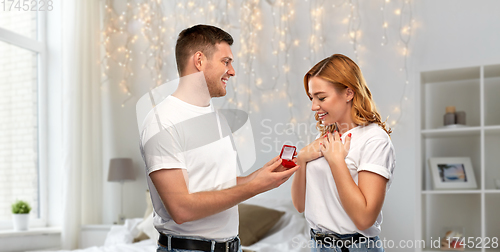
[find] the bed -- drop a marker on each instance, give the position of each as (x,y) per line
(288,233)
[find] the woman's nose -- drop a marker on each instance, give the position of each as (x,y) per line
(314,106)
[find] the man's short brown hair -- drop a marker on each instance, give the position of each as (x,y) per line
(201,38)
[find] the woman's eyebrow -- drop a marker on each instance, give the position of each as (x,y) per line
(316,93)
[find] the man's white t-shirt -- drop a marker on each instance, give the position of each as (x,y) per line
(371,150)
(197,140)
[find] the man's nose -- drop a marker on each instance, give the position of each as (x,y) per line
(231,71)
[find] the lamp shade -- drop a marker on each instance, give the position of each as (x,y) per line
(120,169)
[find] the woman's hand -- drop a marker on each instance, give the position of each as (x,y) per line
(311,151)
(333,149)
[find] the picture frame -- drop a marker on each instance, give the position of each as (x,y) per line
(452,173)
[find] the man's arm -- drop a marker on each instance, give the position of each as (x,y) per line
(184,206)
(244,180)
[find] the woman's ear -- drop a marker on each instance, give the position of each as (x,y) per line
(199,60)
(349,94)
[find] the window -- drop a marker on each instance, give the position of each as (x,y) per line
(21,64)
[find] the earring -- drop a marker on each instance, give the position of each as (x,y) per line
(348,100)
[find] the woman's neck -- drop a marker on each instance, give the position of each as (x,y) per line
(345,125)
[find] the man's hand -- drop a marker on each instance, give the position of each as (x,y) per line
(246,179)
(272,175)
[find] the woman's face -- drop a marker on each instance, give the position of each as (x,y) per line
(330,106)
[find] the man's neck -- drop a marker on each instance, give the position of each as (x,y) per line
(193,90)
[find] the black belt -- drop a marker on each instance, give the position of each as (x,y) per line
(192,244)
(333,240)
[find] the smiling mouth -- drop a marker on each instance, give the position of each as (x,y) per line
(322,115)
(224,81)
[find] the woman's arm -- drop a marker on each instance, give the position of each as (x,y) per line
(305,155)
(299,187)
(362,202)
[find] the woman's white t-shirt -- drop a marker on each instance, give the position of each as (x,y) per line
(371,150)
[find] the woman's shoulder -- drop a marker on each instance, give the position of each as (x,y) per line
(373,138)
(372,132)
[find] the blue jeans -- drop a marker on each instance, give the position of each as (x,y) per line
(162,248)
(371,244)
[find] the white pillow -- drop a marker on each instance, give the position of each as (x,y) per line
(149,205)
(122,234)
(147,227)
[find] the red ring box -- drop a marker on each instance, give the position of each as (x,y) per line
(287,153)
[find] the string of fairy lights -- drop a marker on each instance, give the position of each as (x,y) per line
(385,41)
(317,38)
(405,28)
(156,24)
(354,26)
(250,24)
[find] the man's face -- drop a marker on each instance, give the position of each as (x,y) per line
(218,70)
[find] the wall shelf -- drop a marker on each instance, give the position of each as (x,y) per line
(475,90)
(492,129)
(452,192)
(451,132)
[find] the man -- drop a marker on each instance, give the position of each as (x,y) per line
(189,155)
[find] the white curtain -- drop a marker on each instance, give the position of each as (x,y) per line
(82,146)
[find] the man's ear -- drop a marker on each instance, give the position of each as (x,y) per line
(199,60)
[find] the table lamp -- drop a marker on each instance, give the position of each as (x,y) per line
(121,170)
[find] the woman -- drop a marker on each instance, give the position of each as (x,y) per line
(348,169)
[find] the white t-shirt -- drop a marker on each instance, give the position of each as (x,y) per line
(371,150)
(197,140)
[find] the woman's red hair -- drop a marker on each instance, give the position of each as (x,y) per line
(343,73)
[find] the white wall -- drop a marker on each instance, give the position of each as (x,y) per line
(446,33)
(380,65)
(457,33)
